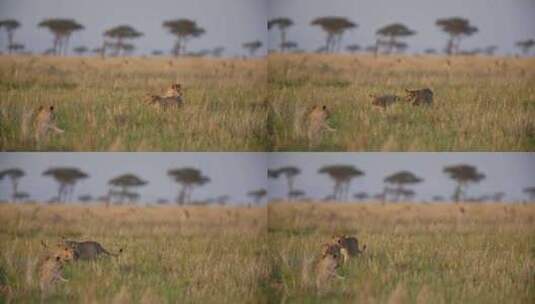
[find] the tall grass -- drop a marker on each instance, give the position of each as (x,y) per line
(100,104)
(415,253)
(481,103)
(171,254)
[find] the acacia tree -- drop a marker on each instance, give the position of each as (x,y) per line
(188,178)
(66,177)
(400,180)
(463,175)
(456,28)
(124,183)
(183,30)
(80,50)
(120,33)
(390,35)
(525,46)
(334,27)
(14,175)
(530,192)
(353,48)
(289,172)
(10,25)
(62,30)
(342,175)
(282,24)
(257,195)
(252,47)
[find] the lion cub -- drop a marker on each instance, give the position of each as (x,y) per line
(384,101)
(45,121)
(349,246)
(317,123)
(51,269)
(327,266)
(419,97)
(88,250)
(172,98)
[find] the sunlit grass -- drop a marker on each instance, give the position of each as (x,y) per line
(480,103)
(100,103)
(416,253)
(171,254)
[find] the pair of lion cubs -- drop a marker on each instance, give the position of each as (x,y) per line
(333,254)
(51,268)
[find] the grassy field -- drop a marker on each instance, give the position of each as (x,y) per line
(416,253)
(204,255)
(100,104)
(480,103)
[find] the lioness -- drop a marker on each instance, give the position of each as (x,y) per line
(349,246)
(88,250)
(317,123)
(384,101)
(51,269)
(172,98)
(419,97)
(326,268)
(45,120)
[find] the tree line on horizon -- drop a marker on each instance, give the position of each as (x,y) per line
(121,189)
(397,185)
(118,39)
(390,38)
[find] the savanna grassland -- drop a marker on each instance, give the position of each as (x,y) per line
(170,254)
(480,103)
(99,103)
(416,253)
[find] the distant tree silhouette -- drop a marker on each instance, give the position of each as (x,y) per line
(252,47)
(290,45)
(289,172)
(430,51)
(188,178)
(128,48)
(490,50)
(218,51)
(157,52)
(20,196)
(14,175)
(125,182)
(282,24)
(257,195)
(162,201)
(222,199)
(183,30)
(295,194)
(62,30)
(353,48)
(463,175)
(400,180)
(16,47)
(80,50)
(456,28)
(342,176)
(438,198)
(334,27)
(361,196)
(10,25)
(530,192)
(67,178)
(390,35)
(119,34)
(86,198)
(525,46)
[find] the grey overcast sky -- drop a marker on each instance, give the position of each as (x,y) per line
(231,174)
(228,23)
(500,22)
(506,172)
(236,173)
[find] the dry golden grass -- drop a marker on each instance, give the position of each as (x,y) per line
(416,253)
(171,254)
(480,103)
(100,103)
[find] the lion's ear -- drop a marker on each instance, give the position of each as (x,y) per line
(51,108)
(43,243)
